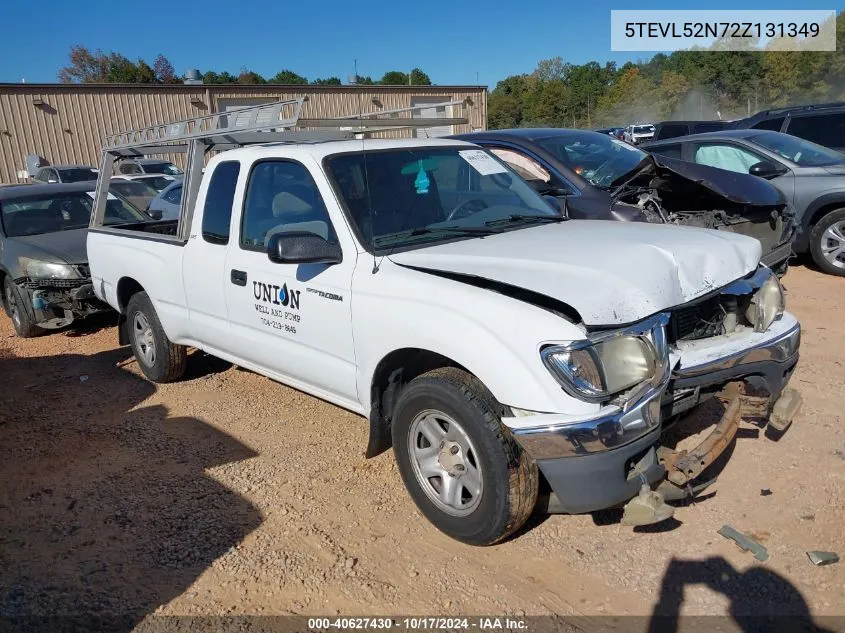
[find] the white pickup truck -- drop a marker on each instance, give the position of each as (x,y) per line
(497,346)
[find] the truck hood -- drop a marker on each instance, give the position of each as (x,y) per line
(612,273)
(61,247)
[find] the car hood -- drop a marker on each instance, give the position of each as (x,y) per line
(738,188)
(612,273)
(62,247)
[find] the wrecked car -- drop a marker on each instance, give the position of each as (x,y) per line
(597,177)
(498,347)
(43,266)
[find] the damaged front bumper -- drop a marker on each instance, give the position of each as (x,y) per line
(56,303)
(590,465)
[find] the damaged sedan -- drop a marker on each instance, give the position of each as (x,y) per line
(593,176)
(43,265)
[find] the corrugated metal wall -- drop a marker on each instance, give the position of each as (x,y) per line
(66,123)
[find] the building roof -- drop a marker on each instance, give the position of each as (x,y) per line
(242,87)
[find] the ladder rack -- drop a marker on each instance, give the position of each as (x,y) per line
(279,121)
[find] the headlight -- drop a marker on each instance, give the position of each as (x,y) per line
(37,269)
(766,305)
(597,370)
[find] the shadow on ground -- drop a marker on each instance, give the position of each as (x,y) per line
(106,510)
(761,600)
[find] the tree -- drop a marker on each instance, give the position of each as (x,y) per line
(394,78)
(145,74)
(121,70)
(288,77)
(365,80)
(164,71)
(250,77)
(419,78)
(328,81)
(84,66)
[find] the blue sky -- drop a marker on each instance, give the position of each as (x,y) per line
(451,41)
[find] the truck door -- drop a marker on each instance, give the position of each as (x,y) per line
(292,320)
(204,260)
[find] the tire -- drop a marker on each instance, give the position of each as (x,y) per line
(19,310)
(495,483)
(827,243)
(159,359)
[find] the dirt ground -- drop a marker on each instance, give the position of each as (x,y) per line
(227,493)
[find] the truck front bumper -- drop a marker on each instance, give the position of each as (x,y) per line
(587,467)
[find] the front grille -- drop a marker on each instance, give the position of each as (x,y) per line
(700,320)
(36,284)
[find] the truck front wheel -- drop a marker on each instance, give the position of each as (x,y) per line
(159,359)
(460,465)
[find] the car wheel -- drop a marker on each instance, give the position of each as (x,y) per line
(19,311)
(827,243)
(461,466)
(159,359)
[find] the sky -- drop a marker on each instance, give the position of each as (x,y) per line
(456,42)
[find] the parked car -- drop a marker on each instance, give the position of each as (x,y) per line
(65,174)
(615,132)
(137,166)
(159,182)
(137,192)
(421,283)
(166,205)
(635,134)
(821,123)
(597,177)
(43,266)
(812,178)
(671,129)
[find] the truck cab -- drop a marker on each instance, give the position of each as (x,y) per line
(497,346)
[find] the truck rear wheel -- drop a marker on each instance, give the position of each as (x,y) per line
(159,359)
(461,466)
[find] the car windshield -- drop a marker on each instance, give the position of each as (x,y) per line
(134,188)
(159,183)
(50,213)
(598,158)
(78,174)
(161,168)
(643,129)
(417,195)
(799,151)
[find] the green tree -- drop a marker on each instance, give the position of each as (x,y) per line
(394,78)
(121,70)
(250,77)
(328,81)
(419,78)
(287,77)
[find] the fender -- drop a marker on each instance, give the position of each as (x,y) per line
(803,234)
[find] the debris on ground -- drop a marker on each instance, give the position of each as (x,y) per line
(819,558)
(646,508)
(765,492)
(745,543)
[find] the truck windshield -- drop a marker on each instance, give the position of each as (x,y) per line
(418,195)
(51,213)
(78,174)
(597,158)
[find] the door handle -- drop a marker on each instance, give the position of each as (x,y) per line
(238,277)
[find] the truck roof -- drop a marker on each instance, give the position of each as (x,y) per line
(321,149)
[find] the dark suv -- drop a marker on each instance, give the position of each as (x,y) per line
(822,123)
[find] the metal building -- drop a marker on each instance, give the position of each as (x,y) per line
(66,123)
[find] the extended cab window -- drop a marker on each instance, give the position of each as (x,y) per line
(281,196)
(769,124)
(217,212)
(824,129)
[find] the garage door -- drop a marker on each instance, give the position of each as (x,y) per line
(433,112)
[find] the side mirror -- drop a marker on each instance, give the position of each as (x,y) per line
(302,247)
(766,169)
(155,214)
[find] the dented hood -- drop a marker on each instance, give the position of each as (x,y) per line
(610,272)
(736,187)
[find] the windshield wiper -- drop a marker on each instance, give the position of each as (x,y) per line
(433,230)
(517,218)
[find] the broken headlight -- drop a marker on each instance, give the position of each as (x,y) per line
(37,269)
(594,371)
(766,305)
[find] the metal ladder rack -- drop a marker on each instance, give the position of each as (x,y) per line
(279,121)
